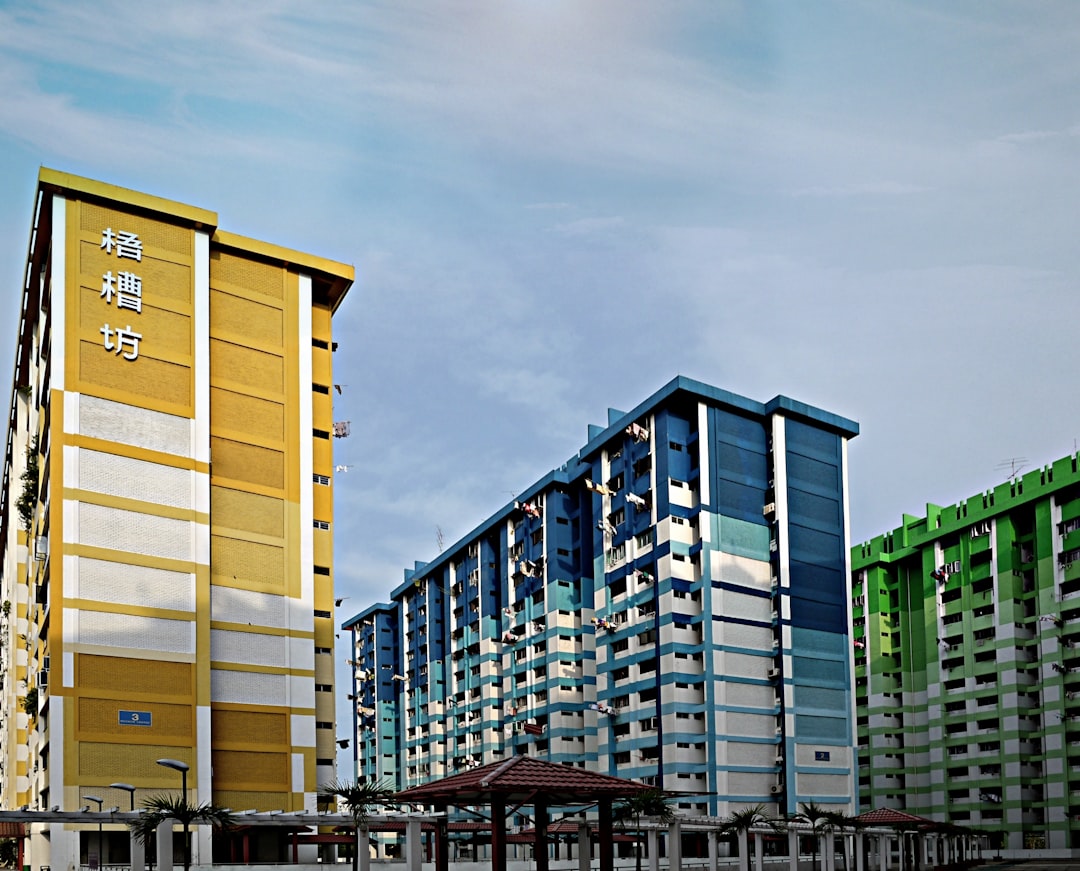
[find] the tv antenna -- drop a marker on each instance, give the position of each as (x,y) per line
(440,539)
(1015,465)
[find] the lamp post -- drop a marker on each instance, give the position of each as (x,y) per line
(99,801)
(126,787)
(182,767)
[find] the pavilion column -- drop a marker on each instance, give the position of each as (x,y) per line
(584,850)
(498,833)
(714,849)
(744,850)
(883,845)
(607,846)
(652,847)
(540,845)
(442,839)
(860,842)
(828,848)
(759,852)
(793,849)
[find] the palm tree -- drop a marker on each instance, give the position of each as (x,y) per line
(648,803)
(359,798)
(813,814)
(739,823)
(165,807)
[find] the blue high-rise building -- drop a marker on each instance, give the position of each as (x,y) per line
(671,605)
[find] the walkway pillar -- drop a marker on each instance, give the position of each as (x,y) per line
(759,852)
(414,845)
(165,845)
(652,840)
(363,848)
(138,853)
(884,843)
(828,849)
(714,850)
(674,847)
(584,850)
(793,849)
(744,850)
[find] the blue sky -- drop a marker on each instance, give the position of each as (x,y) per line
(555,207)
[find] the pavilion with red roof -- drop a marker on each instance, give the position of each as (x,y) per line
(524,780)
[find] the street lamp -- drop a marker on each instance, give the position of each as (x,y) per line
(128,788)
(182,767)
(99,801)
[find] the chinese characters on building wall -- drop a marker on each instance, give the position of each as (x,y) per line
(126,288)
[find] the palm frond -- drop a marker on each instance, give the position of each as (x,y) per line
(359,798)
(159,808)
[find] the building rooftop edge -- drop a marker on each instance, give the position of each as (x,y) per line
(576,466)
(53,179)
(915,532)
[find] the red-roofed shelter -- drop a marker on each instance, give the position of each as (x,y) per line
(519,781)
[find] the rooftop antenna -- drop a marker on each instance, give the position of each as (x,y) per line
(1014,464)
(440,539)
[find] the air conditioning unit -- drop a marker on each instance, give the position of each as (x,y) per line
(779,730)
(777,701)
(769,509)
(775,616)
(45,661)
(779,760)
(43,679)
(774,673)
(776,789)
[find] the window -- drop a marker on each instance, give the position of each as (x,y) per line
(321,479)
(678,521)
(320,388)
(320,524)
(675,446)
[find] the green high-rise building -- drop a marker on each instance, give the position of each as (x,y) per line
(967,657)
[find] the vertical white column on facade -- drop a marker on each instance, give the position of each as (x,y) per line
(704,491)
(200,452)
(780,497)
(307,462)
(58,292)
(63,843)
(852,710)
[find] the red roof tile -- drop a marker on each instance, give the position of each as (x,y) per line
(886,816)
(523,778)
(12,830)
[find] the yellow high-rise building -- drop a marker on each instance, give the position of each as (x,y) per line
(166,518)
